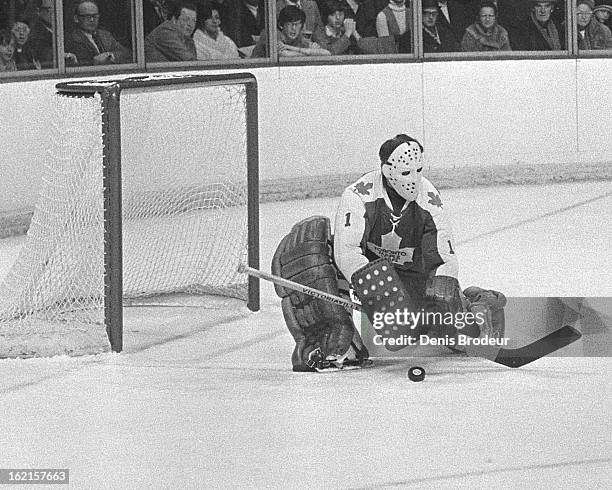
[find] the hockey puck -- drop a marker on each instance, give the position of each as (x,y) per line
(416,373)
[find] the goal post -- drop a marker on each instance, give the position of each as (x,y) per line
(110,97)
(167,193)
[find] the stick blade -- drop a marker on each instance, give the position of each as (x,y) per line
(515,358)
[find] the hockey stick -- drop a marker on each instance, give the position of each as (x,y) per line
(513,358)
(296,286)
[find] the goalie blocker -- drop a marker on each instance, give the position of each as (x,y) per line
(324,334)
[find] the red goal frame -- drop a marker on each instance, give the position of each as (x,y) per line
(110,92)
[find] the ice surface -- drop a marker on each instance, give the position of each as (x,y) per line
(209,400)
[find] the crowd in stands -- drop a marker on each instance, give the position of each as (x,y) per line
(100,32)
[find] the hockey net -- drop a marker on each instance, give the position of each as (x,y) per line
(184,214)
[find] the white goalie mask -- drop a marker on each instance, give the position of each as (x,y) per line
(403,170)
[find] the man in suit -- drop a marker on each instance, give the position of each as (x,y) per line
(91,45)
(173,39)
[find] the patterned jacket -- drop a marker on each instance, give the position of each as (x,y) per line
(597,36)
(476,39)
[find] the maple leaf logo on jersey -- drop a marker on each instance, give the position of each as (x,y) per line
(390,249)
(435,199)
(362,188)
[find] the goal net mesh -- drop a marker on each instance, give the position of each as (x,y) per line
(184,205)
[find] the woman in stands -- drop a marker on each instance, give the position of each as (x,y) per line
(486,34)
(210,42)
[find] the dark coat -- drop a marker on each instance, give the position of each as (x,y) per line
(366,16)
(529,37)
(447,44)
(239,24)
(462,14)
(40,44)
(77,43)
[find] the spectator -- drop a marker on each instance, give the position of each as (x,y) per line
(23,59)
(291,42)
(154,13)
(366,16)
(395,20)
(115,16)
(39,45)
(592,34)
(91,45)
(339,35)
(210,42)
(172,40)
(603,13)
(456,15)
(7,50)
(437,38)
(486,34)
(313,16)
(539,32)
(243,20)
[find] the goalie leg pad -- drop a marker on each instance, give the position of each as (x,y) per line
(304,256)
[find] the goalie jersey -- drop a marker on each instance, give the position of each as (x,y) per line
(417,240)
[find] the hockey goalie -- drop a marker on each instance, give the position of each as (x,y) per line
(393,242)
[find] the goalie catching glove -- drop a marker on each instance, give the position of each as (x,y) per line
(490,305)
(324,333)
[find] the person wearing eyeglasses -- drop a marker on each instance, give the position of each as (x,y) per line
(592,34)
(437,37)
(90,44)
(486,34)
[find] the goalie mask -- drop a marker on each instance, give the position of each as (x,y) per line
(402,167)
